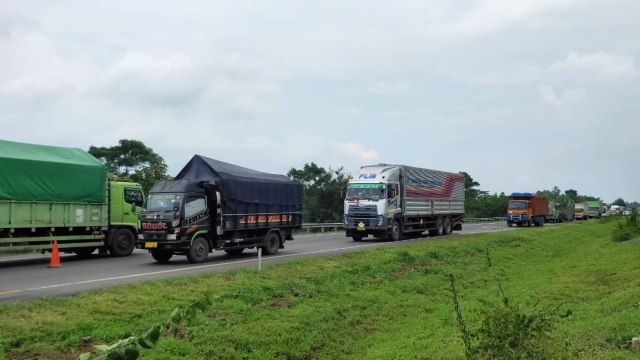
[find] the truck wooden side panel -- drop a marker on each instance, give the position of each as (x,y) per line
(51,215)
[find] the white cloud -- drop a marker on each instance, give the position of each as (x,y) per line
(567,96)
(596,65)
(31,67)
(276,84)
(387,88)
(354,150)
(492,15)
(161,80)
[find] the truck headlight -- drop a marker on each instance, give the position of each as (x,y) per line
(344,220)
(171,236)
(140,236)
(380,220)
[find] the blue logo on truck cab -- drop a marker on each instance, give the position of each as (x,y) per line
(367,176)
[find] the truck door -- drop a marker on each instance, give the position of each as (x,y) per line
(393,200)
(133,201)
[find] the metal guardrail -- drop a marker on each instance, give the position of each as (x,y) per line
(322,226)
(338,226)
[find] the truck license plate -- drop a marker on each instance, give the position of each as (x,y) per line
(149,245)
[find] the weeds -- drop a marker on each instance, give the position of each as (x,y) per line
(506,331)
(128,349)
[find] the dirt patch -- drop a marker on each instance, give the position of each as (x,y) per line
(281,303)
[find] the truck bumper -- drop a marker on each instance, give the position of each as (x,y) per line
(366,231)
(518,219)
(163,245)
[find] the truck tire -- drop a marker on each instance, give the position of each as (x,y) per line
(447,225)
(395,233)
(234,252)
(271,244)
(162,256)
(122,243)
(439,227)
(357,237)
(198,251)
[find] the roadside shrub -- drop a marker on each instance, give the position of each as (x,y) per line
(509,332)
(627,230)
(621,233)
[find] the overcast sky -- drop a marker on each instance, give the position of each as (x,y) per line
(523,95)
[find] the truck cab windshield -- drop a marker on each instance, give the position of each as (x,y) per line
(370,192)
(518,205)
(163,202)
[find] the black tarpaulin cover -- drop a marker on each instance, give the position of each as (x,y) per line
(240,184)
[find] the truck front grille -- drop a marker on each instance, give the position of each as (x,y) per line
(155,235)
(368,215)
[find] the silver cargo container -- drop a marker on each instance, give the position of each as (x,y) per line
(388,201)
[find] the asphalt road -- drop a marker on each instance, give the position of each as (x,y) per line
(29,277)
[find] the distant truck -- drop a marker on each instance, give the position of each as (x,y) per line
(389,201)
(213,205)
(527,209)
(561,211)
(616,210)
(594,209)
(582,211)
(52,193)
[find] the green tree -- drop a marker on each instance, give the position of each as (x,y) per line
(572,194)
(323,192)
(479,203)
(134,160)
(554,195)
(620,202)
(469,185)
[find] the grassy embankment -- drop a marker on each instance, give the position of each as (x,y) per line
(393,303)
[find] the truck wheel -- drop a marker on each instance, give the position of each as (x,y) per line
(122,243)
(395,233)
(272,244)
(198,251)
(234,252)
(439,227)
(84,252)
(447,225)
(162,256)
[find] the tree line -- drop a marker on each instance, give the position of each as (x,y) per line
(324,189)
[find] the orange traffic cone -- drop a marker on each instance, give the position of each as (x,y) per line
(55,256)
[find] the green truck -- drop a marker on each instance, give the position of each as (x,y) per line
(594,208)
(52,193)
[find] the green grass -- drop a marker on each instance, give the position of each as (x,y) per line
(392,303)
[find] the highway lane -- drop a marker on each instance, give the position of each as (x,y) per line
(28,277)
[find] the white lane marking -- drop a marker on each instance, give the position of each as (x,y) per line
(198,267)
(213,265)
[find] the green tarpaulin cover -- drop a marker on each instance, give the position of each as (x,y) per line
(31,172)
